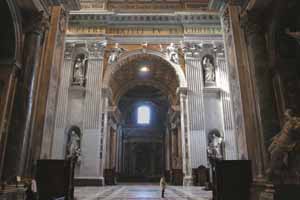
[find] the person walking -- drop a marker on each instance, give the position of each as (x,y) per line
(163,185)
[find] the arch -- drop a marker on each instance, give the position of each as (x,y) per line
(111,69)
(133,84)
(16,24)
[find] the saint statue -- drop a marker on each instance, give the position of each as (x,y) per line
(79,71)
(215,145)
(209,70)
(73,146)
(115,53)
(172,52)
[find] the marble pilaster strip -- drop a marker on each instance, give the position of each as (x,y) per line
(196,111)
(62,103)
(229,132)
(93,94)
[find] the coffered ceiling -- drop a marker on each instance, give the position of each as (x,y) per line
(145,70)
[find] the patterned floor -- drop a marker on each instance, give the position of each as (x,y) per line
(141,192)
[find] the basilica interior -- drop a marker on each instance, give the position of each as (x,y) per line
(108,96)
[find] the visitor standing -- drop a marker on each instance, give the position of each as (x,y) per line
(163,186)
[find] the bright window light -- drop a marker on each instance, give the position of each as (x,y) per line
(143,115)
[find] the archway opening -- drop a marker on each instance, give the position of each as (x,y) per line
(7,33)
(143,90)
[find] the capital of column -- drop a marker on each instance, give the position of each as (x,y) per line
(252,22)
(182,91)
(37,23)
(107,93)
(234,2)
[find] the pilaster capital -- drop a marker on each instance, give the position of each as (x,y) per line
(226,20)
(69,49)
(96,48)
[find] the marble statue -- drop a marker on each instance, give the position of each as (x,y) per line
(172,52)
(79,71)
(73,146)
(209,70)
(115,53)
(215,145)
(284,152)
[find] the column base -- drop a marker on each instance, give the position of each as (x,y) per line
(89,181)
(187,181)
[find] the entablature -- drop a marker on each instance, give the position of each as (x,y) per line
(179,23)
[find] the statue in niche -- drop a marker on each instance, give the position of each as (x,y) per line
(79,70)
(172,52)
(208,70)
(115,54)
(215,145)
(284,152)
(73,145)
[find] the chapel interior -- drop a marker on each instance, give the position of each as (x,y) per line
(104,93)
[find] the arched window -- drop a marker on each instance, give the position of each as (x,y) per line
(143,115)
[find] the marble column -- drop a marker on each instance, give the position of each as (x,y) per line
(185,135)
(32,47)
(105,97)
(262,81)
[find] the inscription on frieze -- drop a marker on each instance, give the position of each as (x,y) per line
(139,30)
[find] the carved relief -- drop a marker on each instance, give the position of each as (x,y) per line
(115,53)
(172,53)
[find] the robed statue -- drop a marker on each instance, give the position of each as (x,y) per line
(79,71)
(73,146)
(215,145)
(209,73)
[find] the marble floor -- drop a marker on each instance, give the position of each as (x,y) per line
(141,192)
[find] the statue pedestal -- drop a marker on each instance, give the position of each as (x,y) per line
(187,181)
(269,193)
(280,192)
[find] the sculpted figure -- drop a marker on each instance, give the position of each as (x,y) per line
(73,146)
(215,142)
(115,53)
(283,151)
(209,70)
(172,51)
(79,71)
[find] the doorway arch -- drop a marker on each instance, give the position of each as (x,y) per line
(162,75)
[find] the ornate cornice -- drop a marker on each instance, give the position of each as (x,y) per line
(128,24)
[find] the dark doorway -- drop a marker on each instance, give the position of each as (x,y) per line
(144,114)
